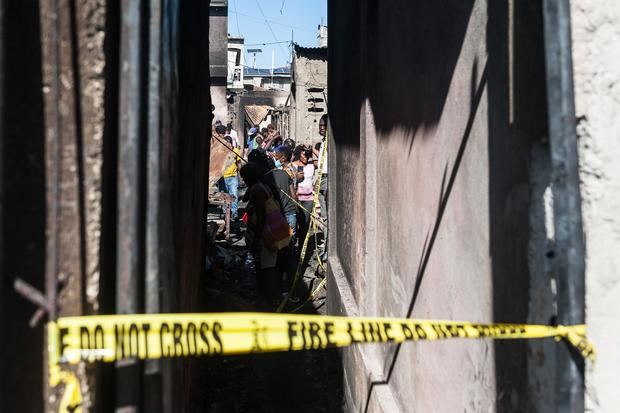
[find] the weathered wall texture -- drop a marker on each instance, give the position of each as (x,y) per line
(596,57)
(80,114)
(91,22)
(309,71)
(218,97)
(271,98)
(64,171)
(432,191)
(218,57)
(70,93)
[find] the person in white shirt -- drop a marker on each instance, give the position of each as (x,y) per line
(233,135)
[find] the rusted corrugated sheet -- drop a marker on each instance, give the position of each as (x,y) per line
(83,102)
(129,239)
(217,158)
(63,142)
(256,113)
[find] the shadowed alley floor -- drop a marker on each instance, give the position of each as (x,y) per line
(280,382)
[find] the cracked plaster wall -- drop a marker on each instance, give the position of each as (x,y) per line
(596,62)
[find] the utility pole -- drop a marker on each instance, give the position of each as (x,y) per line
(254,51)
(273,57)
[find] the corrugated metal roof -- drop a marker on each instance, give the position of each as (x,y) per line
(217,158)
(256,113)
(315,53)
(278,71)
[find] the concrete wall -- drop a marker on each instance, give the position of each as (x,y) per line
(436,161)
(283,83)
(596,57)
(307,73)
(235,62)
(218,99)
(218,57)
(271,98)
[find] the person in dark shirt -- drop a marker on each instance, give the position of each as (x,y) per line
(282,187)
(267,275)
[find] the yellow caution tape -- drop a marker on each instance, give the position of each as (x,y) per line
(153,336)
(313,216)
(304,247)
(311,296)
(71,400)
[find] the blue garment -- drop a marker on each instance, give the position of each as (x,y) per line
(290,257)
(232,187)
(292,222)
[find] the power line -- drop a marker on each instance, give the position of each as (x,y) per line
(272,22)
(268,24)
(266,21)
(282,6)
(267,43)
(245,55)
(250,67)
(237,19)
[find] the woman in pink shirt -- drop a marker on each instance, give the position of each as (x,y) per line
(305,190)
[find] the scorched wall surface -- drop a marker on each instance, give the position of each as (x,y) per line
(433,129)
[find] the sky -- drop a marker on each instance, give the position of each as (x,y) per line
(301,17)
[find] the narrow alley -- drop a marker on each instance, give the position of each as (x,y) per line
(265,206)
(304,381)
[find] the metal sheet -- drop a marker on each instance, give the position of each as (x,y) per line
(569,261)
(128,236)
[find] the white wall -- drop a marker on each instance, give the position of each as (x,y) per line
(218,99)
(596,59)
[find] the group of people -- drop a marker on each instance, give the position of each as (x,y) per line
(281,178)
(266,139)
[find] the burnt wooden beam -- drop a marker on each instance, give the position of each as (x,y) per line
(129,189)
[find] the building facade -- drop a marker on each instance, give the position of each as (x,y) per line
(446,202)
(322,36)
(308,101)
(267,99)
(236,63)
(218,57)
(277,79)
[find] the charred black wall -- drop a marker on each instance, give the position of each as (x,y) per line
(23,206)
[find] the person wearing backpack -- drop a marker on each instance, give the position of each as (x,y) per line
(267,233)
(283,189)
